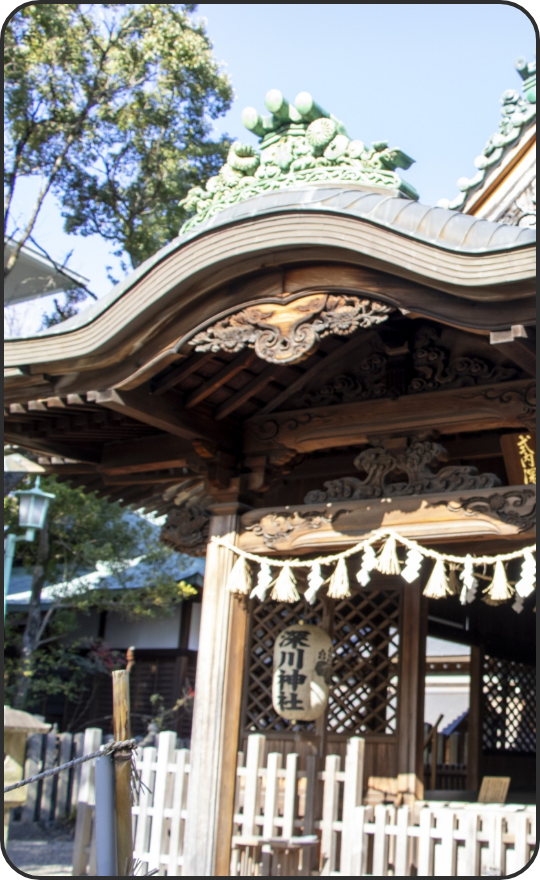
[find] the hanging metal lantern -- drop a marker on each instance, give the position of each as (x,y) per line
(33,506)
(302,672)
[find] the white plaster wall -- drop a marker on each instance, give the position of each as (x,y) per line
(160,632)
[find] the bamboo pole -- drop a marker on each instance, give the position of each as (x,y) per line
(122,772)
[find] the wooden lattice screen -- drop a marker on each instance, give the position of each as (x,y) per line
(364,690)
(509,716)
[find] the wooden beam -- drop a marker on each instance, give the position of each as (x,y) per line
(181,371)
(479,408)
(221,378)
(413,632)
(323,362)
(151,478)
(518,345)
(249,390)
(76,450)
(156,411)
(146,454)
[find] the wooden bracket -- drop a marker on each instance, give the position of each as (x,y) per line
(517,345)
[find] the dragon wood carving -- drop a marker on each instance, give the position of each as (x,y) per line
(275,526)
(379,464)
(285,334)
(186,529)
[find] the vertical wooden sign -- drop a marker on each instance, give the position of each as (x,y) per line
(519,451)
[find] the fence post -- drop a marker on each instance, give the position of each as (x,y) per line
(85,803)
(105,818)
(32,767)
(176,844)
(122,771)
(165,756)
(352,796)
(402,865)
(330,808)
(61,807)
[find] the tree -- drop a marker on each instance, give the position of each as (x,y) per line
(111,106)
(86,540)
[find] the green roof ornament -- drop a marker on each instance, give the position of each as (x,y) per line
(517,112)
(299,144)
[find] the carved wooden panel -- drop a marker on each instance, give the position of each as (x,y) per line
(510,404)
(364,689)
(413,463)
(510,510)
(285,334)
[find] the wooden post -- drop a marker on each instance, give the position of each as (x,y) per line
(122,772)
(216,712)
(411,692)
(475,721)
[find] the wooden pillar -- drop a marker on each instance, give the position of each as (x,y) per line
(411,692)
(216,712)
(475,721)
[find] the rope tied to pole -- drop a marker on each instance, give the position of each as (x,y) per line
(107,749)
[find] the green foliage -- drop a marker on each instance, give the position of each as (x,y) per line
(85,533)
(111,105)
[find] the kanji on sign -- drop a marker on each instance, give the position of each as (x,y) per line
(302,672)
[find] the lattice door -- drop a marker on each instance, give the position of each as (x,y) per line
(509,697)
(364,692)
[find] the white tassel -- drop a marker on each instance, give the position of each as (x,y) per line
(437,585)
(285,586)
(315,581)
(264,582)
(413,562)
(369,562)
(470,583)
(499,589)
(339,583)
(525,585)
(387,562)
(239,581)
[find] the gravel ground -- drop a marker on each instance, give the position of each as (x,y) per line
(41,850)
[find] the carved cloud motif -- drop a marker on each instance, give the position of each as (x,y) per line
(285,334)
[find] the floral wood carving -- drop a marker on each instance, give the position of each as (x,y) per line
(527,396)
(275,526)
(186,530)
(435,368)
(285,334)
(380,464)
(517,507)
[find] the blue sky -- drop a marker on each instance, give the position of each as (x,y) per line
(427,77)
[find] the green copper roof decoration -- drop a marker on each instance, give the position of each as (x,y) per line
(299,144)
(517,113)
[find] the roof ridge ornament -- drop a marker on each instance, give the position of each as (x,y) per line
(299,144)
(517,112)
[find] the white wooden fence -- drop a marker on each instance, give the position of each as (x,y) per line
(276,801)
(447,840)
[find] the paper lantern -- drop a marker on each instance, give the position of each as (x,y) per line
(302,672)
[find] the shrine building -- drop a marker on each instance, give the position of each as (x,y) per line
(320,362)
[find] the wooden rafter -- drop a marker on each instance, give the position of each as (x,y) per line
(322,364)
(220,378)
(252,388)
(180,372)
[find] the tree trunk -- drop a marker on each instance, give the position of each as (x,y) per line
(32,630)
